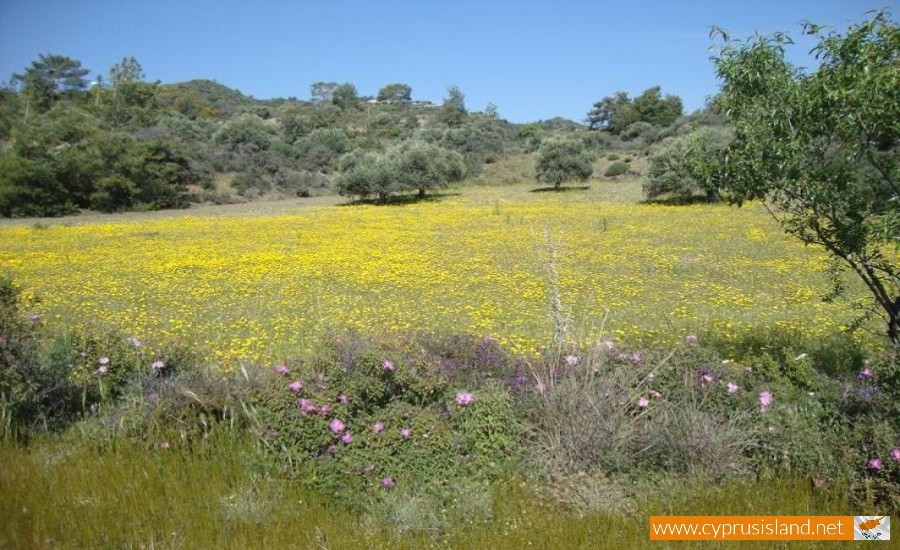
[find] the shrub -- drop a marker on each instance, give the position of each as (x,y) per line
(563,158)
(616,169)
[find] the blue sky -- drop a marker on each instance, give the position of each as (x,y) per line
(534,60)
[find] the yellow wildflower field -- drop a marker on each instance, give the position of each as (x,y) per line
(260,285)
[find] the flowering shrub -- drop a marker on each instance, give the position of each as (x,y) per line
(363,414)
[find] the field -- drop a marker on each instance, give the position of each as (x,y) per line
(260,282)
(214,451)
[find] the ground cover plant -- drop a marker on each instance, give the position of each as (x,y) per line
(256,286)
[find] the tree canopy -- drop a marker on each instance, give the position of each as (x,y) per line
(821,147)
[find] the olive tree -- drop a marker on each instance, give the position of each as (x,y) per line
(423,166)
(563,158)
(683,166)
(820,148)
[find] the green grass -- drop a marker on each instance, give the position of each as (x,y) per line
(66,494)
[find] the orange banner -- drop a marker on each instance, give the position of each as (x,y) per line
(751,527)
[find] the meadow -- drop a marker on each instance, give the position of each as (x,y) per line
(256,285)
(311,374)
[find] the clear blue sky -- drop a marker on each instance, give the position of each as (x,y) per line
(533,59)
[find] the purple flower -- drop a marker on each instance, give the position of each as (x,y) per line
(765,400)
(378,427)
(343,399)
(336,426)
(406,432)
(866,373)
(895,454)
(306,406)
(571,360)
(347,438)
(296,386)
(388,366)
(158,364)
(643,403)
(325,409)
(732,388)
(387,483)
(464,398)
(874,464)
(281,369)
(691,339)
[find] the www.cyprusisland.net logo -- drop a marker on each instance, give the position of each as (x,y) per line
(871,527)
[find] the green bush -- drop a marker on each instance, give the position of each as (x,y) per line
(616,169)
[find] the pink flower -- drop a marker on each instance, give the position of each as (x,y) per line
(103,361)
(325,409)
(306,406)
(281,369)
(388,366)
(101,370)
(464,398)
(655,394)
(866,374)
(343,399)
(874,464)
(378,427)
(732,388)
(571,360)
(706,378)
(637,357)
(296,386)
(159,364)
(765,400)
(387,483)
(643,403)
(691,339)
(406,432)
(347,438)
(336,426)
(895,454)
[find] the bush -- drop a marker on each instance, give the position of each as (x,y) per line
(616,169)
(684,166)
(359,414)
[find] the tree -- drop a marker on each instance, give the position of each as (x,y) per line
(686,165)
(345,95)
(563,158)
(453,110)
(601,116)
(367,173)
(821,148)
(50,77)
(653,109)
(618,111)
(395,93)
(422,166)
(322,91)
(127,70)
